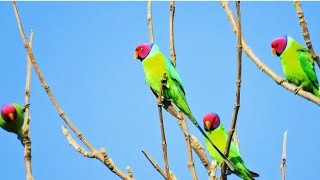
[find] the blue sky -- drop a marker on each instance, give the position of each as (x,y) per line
(85,51)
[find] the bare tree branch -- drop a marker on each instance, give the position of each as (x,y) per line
(305,32)
(263,67)
(149,18)
(154,164)
(101,154)
(75,145)
(238,88)
(26,130)
(213,175)
(284,156)
(163,135)
(200,151)
(181,121)
(184,127)
(157,167)
(171,32)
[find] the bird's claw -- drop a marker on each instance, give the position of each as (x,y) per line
(159,101)
(297,89)
(26,106)
(282,81)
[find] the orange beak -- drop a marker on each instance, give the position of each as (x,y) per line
(135,55)
(11,116)
(273,50)
(208,124)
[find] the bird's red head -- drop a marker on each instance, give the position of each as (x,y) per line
(211,121)
(278,45)
(142,51)
(8,112)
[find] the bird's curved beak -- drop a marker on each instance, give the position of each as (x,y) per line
(208,124)
(11,116)
(135,55)
(273,50)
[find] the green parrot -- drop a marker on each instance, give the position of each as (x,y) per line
(155,64)
(297,64)
(215,130)
(12,119)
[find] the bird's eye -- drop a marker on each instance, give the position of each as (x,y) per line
(140,49)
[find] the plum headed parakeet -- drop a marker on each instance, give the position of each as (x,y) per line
(12,119)
(215,130)
(297,64)
(155,64)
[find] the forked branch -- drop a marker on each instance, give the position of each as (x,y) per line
(101,154)
(157,167)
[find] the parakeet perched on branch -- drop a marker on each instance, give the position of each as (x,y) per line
(297,64)
(12,119)
(155,64)
(215,130)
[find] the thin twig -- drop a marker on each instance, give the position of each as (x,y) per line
(305,32)
(101,154)
(263,67)
(238,91)
(181,121)
(171,32)
(26,130)
(284,156)
(184,127)
(154,164)
(149,18)
(163,135)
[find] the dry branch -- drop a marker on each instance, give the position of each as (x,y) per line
(284,156)
(101,154)
(200,151)
(171,32)
(163,135)
(238,91)
(263,67)
(26,130)
(184,127)
(213,175)
(74,144)
(157,167)
(305,32)
(149,18)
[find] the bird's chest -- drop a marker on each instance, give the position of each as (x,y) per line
(154,71)
(293,70)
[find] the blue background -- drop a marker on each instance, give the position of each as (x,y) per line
(85,51)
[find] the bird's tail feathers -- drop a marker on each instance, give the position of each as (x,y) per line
(253,174)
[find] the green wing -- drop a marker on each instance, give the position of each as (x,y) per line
(174,75)
(307,64)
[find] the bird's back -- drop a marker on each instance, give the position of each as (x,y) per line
(219,137)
